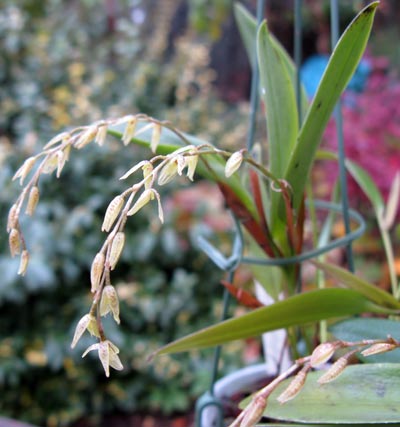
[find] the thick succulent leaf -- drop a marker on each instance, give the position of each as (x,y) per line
(350,280)
(338,73)
(214,169)
(363,394)
(369,328)
(297,310)
(367,184)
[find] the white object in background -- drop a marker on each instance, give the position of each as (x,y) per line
(276,351)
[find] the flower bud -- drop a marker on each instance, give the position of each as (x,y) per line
(155,137)
(254,412)
(109,302)
(24,170)
(12,220)
(117,247)
(14,240)
(96,271)
(23,265)
(233,163)
(379,348)
(112,212)
(295,386)
(334,371)
(322,353)
(33,200)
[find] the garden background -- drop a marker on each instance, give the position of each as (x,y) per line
(69,63)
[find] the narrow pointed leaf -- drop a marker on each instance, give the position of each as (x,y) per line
(363,394)
(247,25)
(367,184)
(350,280)
(297,310)
(338,73)
(278,95)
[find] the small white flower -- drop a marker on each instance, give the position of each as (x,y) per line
(147,175)
(135,168)
(108,355)
(88,322)
(168,172)
(50,164)
(109,302)
(233,163)
(23,265)
(155,137)
(143,199)
(129,131)
(101,135)
(191,161)
(86,137)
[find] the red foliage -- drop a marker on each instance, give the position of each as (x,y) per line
(371,131)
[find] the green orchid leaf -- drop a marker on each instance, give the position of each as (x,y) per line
(350,280)
(338,73)
(213,168)
(296,310)
(362,394)
(278,95)
(247,25)
(369,328)
(279,98)
(367,184)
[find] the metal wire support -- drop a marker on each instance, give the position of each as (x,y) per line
(209,411)
(298,46)
(255,82)
(340,139)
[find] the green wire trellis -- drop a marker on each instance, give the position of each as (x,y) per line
(229,264)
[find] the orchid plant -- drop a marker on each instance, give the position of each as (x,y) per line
(267,200)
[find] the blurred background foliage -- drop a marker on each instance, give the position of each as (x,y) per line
(69,63)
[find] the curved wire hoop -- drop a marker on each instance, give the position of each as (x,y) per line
(340,242)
